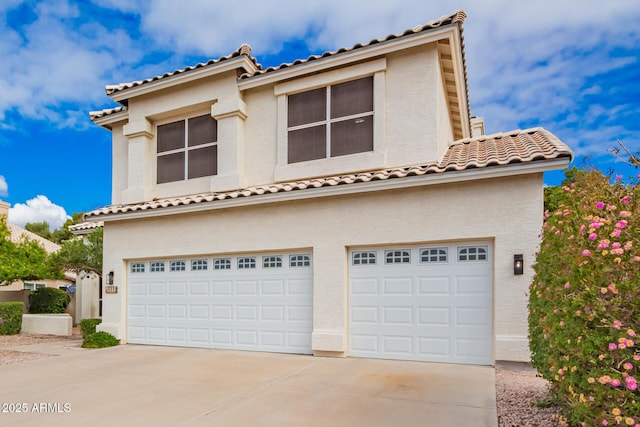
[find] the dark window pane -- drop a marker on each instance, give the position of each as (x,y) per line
(352,98)
(307,107)
(171,167)
(203,162)
(202,130)
(352,136)
(170,136)
(307,144)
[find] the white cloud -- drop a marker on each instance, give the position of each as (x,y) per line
(4,187)
(38,209)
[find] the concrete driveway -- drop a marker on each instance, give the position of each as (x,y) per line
(134,385)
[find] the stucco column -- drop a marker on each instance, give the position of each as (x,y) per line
(230,116)
(329,297)
(141,161)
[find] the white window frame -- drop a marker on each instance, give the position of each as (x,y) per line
(364,258)
(272,261)
(138,267)
(299,260)
(397,259)
(332,165)
(438,255)
(156,266)
(222,264)
(178,265)
(199,264)
(476,255)
(246,263)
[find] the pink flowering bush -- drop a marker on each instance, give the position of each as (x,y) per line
(584,302)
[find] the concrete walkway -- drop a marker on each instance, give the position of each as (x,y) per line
(166,386)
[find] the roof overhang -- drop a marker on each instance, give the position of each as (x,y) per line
(242,62)
(359,188)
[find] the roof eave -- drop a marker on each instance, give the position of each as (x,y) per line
(345,58)
(108,120)
(537,166)
(240,62)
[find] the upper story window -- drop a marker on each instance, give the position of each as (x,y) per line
(187,149)
(330,121)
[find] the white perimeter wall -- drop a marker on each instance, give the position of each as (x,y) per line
(507,211)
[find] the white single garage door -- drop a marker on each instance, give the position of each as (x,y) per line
(247,302)
(430,303)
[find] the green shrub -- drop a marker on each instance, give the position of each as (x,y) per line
(88,326)
(48,300)
(11,317)
(99,340)
(584,302)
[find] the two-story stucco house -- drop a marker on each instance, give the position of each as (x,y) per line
(337,205)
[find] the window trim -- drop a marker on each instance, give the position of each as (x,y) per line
(306,260)
(187,148)
(392,252)
(466,247)
(332,165)
(357,258)
(445,248)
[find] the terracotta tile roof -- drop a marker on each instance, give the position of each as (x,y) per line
(516,147)
(85,226)
(107,111)
(243,50)
(457,17)
(19,233)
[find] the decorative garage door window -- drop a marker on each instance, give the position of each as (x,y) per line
(222,264)
(199,265)
(272,261)
(246,263)
(299,260)
(364,258)
(137,267)
(472,253)
(430,255)
(397,257)
(178,266)
(156,267)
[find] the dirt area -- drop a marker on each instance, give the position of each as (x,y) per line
(520,394)
(8,357)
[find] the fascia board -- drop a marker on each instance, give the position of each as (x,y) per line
(338,190)
(187,76)
(342,59)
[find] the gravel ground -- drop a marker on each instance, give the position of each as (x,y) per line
(517,391)
(518,394)
(8,357)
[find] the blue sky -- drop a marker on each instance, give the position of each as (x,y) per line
(570,67)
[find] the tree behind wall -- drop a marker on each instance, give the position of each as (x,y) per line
(79,254)
(25,260)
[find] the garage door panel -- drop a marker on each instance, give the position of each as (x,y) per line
(434,286)
(397,315)
(434,316)
(222,287)
(177,288)
(198,312)
(434,347)
(199,288)
(428,306)
(365,315)
(399,345)
(398,286)
(267,309)
(176,312)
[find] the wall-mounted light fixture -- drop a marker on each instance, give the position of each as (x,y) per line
(518,264)
(110,278)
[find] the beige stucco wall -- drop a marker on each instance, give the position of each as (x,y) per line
(507,211)
(411,120)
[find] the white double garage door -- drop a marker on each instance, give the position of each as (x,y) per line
(422,302)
